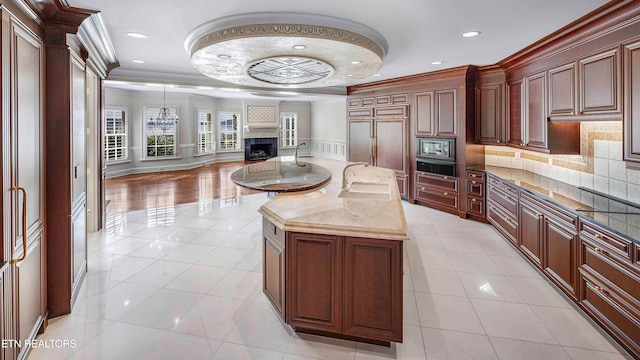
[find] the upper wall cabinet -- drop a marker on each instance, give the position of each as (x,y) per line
(631,117)
(588,87)
(491,126)
(436,113)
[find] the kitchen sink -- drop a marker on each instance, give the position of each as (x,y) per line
(368,191)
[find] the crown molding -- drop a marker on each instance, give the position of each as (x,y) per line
(94,36)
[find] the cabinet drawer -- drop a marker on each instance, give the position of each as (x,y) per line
(508,188)
(389,111)
(607,240)
(507,201)
(610,310)
(273,232)
(475,206)
(399,98)
(438,197)
(445,182)
(355,102)
(610,266)
(475,188)
(506,224)
(383,100)
(551,211)
(475,175)
(356,113)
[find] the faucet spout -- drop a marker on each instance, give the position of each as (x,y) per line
(296,154)
(344,172)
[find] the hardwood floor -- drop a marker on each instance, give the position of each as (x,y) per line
(159,189)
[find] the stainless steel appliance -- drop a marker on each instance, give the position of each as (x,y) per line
(436,148)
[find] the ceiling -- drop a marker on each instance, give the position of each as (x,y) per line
(418,32)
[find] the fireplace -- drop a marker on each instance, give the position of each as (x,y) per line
(256,149)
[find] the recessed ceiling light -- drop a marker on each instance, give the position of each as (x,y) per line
(222,56)
(138,61)
(471,34)
(137,35)
(356,62)
(299,47)
(349,75)
(436,62)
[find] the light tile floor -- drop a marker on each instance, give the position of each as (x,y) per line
(185,283)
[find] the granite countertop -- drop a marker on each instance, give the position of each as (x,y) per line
(281,175)
(617,215)
(323,212)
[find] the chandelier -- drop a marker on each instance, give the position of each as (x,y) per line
(166,119)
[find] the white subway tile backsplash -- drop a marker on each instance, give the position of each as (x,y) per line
(601,149)
(601,167)
(573,177)
(553,172)
(601,183)
(504,161)
(617,170)
(563,175)
(615,150)
(491,160)
(633,176)
(586,180)
(633,193)
(517,162)
(618,188)
(528,165)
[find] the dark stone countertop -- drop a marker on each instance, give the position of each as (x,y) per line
(618,216)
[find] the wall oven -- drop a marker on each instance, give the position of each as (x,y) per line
(436,155)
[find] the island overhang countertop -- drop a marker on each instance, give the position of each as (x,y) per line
(324,212)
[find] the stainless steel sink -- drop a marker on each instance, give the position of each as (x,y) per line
(369,191)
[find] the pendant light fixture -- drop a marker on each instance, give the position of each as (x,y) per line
(166,119)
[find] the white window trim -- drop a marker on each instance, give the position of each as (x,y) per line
(144,134)
(239,130)
(295,134)
(126,135)
(214,138)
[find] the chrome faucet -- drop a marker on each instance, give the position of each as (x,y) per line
(296,154)
(344,172)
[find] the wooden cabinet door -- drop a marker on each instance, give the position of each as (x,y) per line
(515,114)
(531,233)
(390,144)
(489,113)
(373,288)
(424,113)
(273,276)
(562,90)
(361,141)
(631,118)
(314,281)
(535,113)
(446,112)
(560,247)
(599,83)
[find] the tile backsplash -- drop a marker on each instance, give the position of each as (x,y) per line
(599,165)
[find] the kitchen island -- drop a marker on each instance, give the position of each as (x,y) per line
(333,265)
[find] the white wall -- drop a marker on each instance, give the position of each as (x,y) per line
(329,128)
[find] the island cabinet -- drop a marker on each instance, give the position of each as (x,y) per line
(609,287)
(587,87)
(338,286)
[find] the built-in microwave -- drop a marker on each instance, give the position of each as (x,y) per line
(436,148)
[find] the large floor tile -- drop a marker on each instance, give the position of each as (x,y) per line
(251,262)
(198,278)
(410,309)
(156,249)
(126,266)
(447,313)
(491,287)
(320,347)
(428,259)
(238,284)
(511,320)
(515,267)
(411,348)
(247,241)
(211,237)
(584,354)
(116,303)
(510,349)
(476,263)
(159,273)
(224,257)
(125,245)
(163,310)
(465,245)
(189,253)
(454,345)
(498,247)
(539,292)
(213,317)
(260,327)
(433,281)
(78,332)
(228,351)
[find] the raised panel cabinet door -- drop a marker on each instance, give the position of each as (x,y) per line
(489,113)
(361,141)
(390,144)
(446,112)
(535,114)
(314,281)
(373,288)
(562,90)
(599,83)
(424,113)
(531,233)
(560,247)
(273,277)
(515,114)
(631,118)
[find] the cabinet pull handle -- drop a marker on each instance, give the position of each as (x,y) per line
(473,175)
(599,289)
(599,251)
(473,200)
(598,236)
(540,216)
(24,224)
(473,182)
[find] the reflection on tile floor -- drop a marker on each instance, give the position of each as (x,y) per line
(185,283)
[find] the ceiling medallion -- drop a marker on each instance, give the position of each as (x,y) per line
(285,50)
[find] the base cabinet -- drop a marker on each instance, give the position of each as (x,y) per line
(344,287)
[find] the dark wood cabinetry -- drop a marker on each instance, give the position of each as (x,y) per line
(437,191)
(347,287)
(476,194)
(560,246)
(535,114)
(436,113)
(531,235)
(424,113)
(502,205)
(631,118)
(515,114)
(562,90)
(599,83)
(491,126)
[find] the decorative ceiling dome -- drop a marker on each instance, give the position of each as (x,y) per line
(276,49)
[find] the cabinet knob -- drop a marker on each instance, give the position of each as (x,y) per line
(599,289)
(598,236)
(445,178)
(599,251)
(508,197)
(498,141)
(422,189)
(473,200)
(473,182)
(445,194)
(539,216)
(473,175)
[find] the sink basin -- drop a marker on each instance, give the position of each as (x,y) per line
(369,191)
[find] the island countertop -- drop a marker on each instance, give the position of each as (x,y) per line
(323,212)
